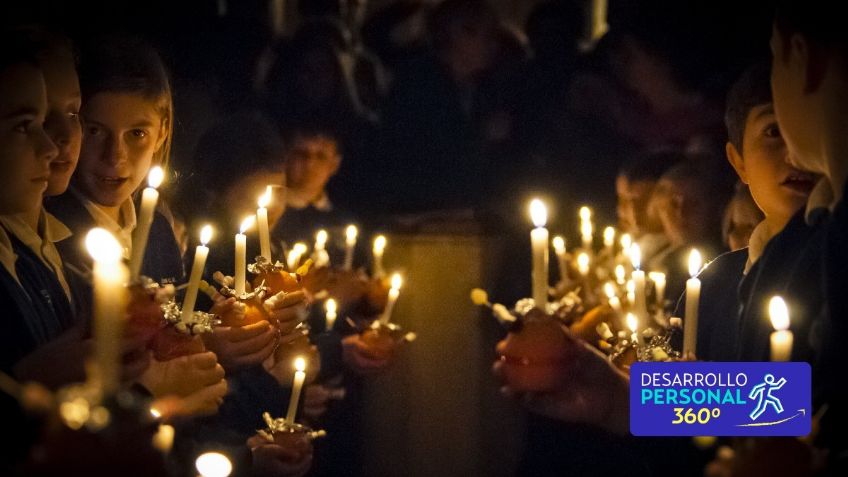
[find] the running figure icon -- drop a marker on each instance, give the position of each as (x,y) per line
(762,392)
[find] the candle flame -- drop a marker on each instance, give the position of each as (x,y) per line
(694,262)
(397,281)
(330,306)
(559,245)
(635,256)
(631,286)
(583,263)
(321,238)
(609,236)
(538,213)
(626,241)
(213,464)
(247,223)
(206,234)
(609,289)
(299,248)
(155,413)
(620,274)
(586,229)
(350,233)
(585,214)
(265,198)
(300,364)
(379,244)
(778,313)
(102,246)
(632,322)
(155,177)
(657,277)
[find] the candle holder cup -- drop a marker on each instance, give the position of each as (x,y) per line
(180,338)
(384,338)
(294,437)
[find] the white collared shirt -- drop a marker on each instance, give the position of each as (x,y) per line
(122,233)
(322,203)
(760,237)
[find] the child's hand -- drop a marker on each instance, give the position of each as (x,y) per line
(286,310)
(182,376)
(229,310)
(240,347)
(272,460)
(362,358)
(203,402)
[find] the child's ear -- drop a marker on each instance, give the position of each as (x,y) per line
(735,159)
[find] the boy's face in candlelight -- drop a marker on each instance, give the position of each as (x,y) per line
(632,208)
(794,102)
(121,134)
(311,162)
(63,122)
(778,188)
(25,149)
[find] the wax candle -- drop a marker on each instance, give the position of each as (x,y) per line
(583,264)
(633,325)
(379,247)
(350,243)
(149,197)
(638,276)
(693,296)
(630,289)
(781,337)
(394,292)
(330,307)
(297,386)
(109,279)
(213,464)
(262,221)
(320,255)
(295,254)
(200,255)
(539,242)
(612,298)
(620,274)
(659,287)
(240,272)
(559,249)
(609,240)
(586,228)
(163,440)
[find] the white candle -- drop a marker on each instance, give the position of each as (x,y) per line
(197,267)
(297,386)
(379,247)
(659,286)
(559,249)
(612,298)
(394,292)
(583,264)
(330,307)
(350,242)
(109,279)
(586,228)
(240,271)
(633,325)
(539,241)
(149,197)
(620,274)
(295,254)
(262,221)
(320,255)
(693,296)
(609,240)
(213,464)
(638,276)
(781,337)
(163,440)
(630,288)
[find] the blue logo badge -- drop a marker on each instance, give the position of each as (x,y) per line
(720,399)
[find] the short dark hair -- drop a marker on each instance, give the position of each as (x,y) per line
(650,166)
(752,89)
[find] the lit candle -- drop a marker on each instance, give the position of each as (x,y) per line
(620,274)
(539,242)
(262,221)
(559,249)
(320,255)
(241,255)
(626,241)
(163,440)
(330,307)
(149,197)
(213,464)
(379,247)
(583,264)
(630,288)
(197,267)
(633,325)
(109,277)
(638,276)
(659,286)
(394,292)
(693,296)
(297,386)
(781,337)
(612,298)
(609,239)
(350,241)
(586,227)
(295,254)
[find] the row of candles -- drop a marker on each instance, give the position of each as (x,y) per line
(781,338)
